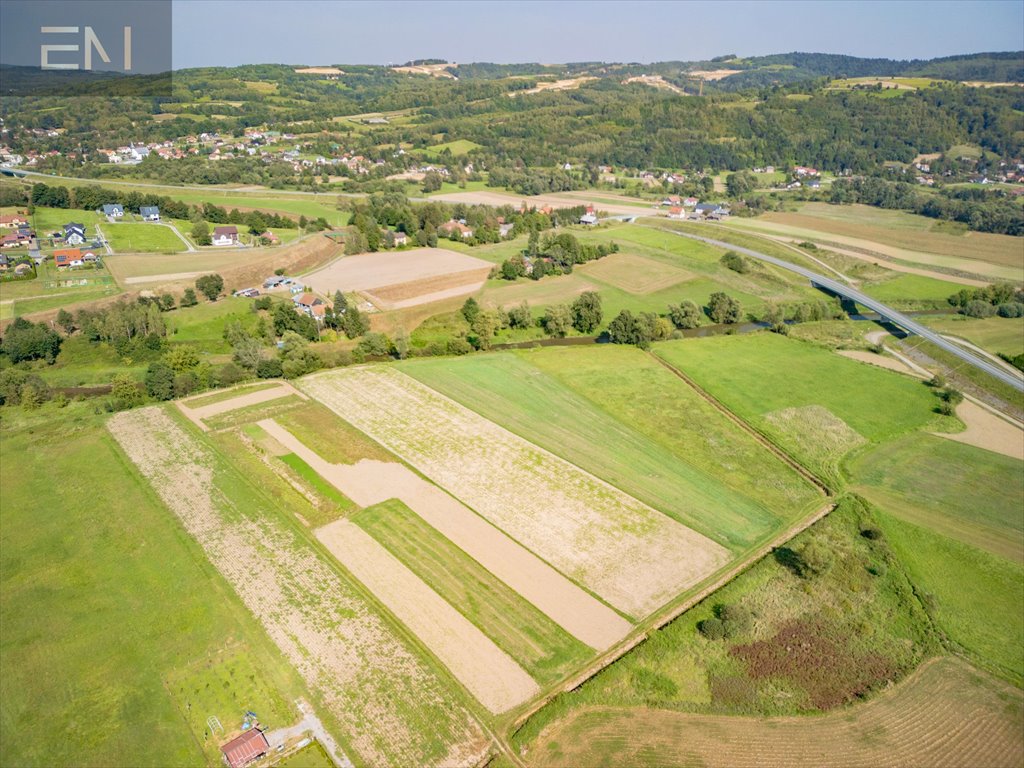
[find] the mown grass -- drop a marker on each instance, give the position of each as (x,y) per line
(226,686)
(103,598)
(337,503)
(539,645)
(202,326)
(863,607)
(312,756)
(920,479)
(994,334)
(975,597)
(912,290)
(615,412)
(135,237)
(329,436)
(755,375)
(250,413)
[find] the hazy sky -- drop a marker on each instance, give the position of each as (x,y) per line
(229,32)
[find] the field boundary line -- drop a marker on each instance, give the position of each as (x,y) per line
(756,434)
(657,621)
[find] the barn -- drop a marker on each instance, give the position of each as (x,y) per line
(244,749)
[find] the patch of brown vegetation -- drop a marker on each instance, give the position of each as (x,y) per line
(816,656)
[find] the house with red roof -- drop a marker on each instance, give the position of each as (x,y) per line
(245,749)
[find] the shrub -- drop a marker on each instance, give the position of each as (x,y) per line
(735,262)
(978,308)
(712,629)
(269,369)
(230,374)
(1010,309)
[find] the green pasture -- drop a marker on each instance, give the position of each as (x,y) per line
(995,334)
(920,478)
(756,375)
(105,600)
(134,237)
(912,290)
(617,413)
(202,326)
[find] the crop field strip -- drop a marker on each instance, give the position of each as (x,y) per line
(198,415)
(946,715)
(489,673)
(545,650)
(371,482)
(618,414)
(392,707)
(634,557)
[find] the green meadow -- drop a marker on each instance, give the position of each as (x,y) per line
(114,622)
(615,412)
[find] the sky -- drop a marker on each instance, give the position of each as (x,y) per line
(232,32)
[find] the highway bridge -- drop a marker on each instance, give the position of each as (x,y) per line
(888,313)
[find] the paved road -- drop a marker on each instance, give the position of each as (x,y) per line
(897,318)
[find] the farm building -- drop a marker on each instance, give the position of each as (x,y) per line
(676,212)
(149,213)
(14,240)
(308,302)
(227,235)
(13,221)
(270,237)
(401,238)
(244,749)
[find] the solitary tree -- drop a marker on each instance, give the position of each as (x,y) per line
(201,232)
(558,320)
(685,315)
(470,310)
(586,312)
(210,286)
(722,308)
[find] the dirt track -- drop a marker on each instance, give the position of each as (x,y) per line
(881,361)
(371,482)
(488,672)
(985,430)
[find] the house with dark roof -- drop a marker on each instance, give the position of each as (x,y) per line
(149,213)
(74,234)
(113,211)
(227,235)
(245,749)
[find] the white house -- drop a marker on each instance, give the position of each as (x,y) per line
(150,213)
(113,211)
(225,235)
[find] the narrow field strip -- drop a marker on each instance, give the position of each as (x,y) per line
(546,651)
(370,482)
(197,415)
(487,671)
(393,709)
(632,556)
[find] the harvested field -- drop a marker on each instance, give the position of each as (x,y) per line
(402,291)
(655,81)
(475,661)
(392,708)
(946,714)
(434,70)
(400,270)
(370,482)
(544,650)
(629,554)
(889,363)
(988,431)
(635,274)
(538,201)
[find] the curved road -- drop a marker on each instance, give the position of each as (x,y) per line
(897,318)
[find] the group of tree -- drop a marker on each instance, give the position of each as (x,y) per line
(552,255)
(993,212)
(1003,299)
